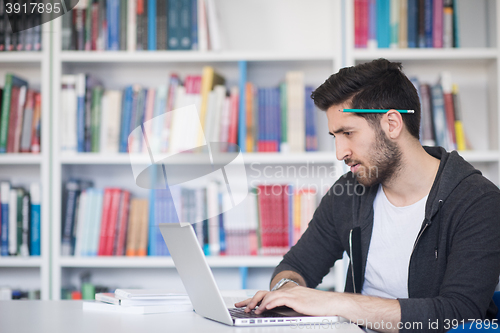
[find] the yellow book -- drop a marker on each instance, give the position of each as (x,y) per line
(459,127)
(249,113)
(142,246)
(132,228)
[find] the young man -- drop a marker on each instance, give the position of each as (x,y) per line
(429,223)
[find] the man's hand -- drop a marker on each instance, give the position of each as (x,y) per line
(301,299)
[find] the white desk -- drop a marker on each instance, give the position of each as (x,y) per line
(68,317)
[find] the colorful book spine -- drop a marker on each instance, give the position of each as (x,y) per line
(242,131)
(4,234)
(151,25)
(35,227)
(413,10)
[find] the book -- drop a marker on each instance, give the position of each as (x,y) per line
(112,298)
(71,193)
(146,309)
(123,212)
(383,23)
(361,23)
(12,230)
(10,82)
(150,294)
(394,22)
(437,24)
(69,107)
(162,11)
(35,218)
(413,23)
(403,24)
(4,233)
(25,141)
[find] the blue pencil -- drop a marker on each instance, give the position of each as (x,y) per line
(376,110)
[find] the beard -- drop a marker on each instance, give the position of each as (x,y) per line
(383,163)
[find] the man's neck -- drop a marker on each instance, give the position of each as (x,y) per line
(414,179)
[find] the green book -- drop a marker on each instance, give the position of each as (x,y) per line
(96,118)
(10,81)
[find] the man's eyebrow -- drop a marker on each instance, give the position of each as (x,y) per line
(340,130)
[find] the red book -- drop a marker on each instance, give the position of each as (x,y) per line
(35,135)
(361,23)
(449,110)
(112,222)
(14,102)
(94,26)
(106,208)
(120,239)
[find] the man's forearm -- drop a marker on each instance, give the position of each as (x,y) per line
(288,275)
(381,314)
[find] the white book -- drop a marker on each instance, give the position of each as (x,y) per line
(103,126)
(145,309)
(225,120)
(202,26)
(154,131)
(131,26)
(13,221)
(82,211)
(112,298)
(296,110)
(68,113)
(214,30)
(213,218)
(145,294)
(110,128)
(220,95)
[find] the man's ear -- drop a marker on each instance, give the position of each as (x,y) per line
(392,124)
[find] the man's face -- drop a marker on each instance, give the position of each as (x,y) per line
(372,156)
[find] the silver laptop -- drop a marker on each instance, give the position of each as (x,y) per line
(205,296)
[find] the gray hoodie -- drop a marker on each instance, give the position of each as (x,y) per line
(455,263)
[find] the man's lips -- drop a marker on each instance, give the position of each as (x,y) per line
(355,167)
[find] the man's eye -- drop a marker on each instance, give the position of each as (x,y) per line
(347,133)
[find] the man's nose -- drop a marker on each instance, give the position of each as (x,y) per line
(342,150)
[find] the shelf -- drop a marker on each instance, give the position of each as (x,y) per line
(263,158)
(426,54)
(188,56)
(35,56)
(166,262)
(20,261)
(27,158)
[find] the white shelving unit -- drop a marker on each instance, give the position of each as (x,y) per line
(30,273)
(279,42)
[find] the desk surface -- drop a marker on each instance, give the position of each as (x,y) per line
(68,316)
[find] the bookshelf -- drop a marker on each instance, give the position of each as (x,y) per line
(22,169)
(475,70)
(268,55)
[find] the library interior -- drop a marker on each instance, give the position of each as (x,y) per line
(96,94)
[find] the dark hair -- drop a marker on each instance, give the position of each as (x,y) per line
(379,84)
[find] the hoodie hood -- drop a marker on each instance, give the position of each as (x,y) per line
(453,169)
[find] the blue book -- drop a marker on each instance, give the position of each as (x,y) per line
(80,112)
(311,135)
(34,220)
(242,129)
(260,110)
(372,22)
(113,16)
(222,232)
(173,24)
(412,23)
(96,221)
(4,197)
(152,25)
(428,42)
(153,221)
(125,120)
(71,194)
(276,118)
(194,24)
(383,23)
(185,31)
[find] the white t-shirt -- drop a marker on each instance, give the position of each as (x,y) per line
(395,230)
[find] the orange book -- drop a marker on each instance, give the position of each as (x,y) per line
(35,127)
(143,216)
(133,228)
(119,246)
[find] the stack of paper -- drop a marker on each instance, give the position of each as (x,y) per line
(139,301)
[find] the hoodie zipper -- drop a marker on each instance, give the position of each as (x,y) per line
(418,237)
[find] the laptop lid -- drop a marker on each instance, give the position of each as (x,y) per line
(194,271)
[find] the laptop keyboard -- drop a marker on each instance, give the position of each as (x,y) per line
(240,313)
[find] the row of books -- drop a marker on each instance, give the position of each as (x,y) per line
(20,117)
(420,23)
(141,25)
(441,116)
(20,220)
(106,222)
(14,35)
(7,294)
(97,120)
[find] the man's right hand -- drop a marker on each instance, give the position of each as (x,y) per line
(252,303)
